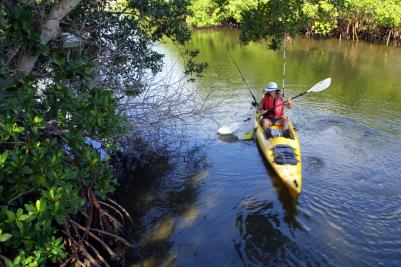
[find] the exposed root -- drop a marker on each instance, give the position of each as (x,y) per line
(112,208)
(97,254)
(85,242)
(79,263)
(67,261)
(104,245)
(116,237)
(117,225)
(121,209)
(89,257)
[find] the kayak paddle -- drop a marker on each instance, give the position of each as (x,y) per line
(225,130)
(320,86)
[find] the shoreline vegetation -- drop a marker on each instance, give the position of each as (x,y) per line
(78,84)
(368,20)
(79,97)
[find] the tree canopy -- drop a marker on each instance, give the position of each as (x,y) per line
(65,67)
(351,19)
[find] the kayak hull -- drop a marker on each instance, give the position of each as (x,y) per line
(289,173)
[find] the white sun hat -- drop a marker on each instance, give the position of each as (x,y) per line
(271,86)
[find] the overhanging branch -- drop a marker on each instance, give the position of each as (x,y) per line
(49,30)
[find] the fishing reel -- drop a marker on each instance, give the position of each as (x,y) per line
(254,104)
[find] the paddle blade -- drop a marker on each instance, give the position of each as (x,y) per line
(320,86)
(225,130)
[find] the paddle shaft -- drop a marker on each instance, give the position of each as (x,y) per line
(320,86)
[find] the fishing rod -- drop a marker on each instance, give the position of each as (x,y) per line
(320,86)
(254,102)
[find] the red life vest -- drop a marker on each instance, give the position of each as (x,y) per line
(269,102)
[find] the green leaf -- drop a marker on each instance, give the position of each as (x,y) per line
(10,214)
(88,70)
(60,62)
(30,208)
(38,205)
(3,157)
(37,119)
(23,217)
(5,237)
(51,193)
(26,170)
(20,212)
(18,130)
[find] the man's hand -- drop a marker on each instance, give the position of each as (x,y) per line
(289,103)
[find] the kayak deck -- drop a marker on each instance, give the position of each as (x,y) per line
(283,155)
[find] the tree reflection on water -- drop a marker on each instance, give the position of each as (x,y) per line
(264,240)
(157,196)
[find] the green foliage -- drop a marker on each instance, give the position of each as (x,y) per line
(204,13)
(388,14)
(163,18)
(51,119)
(215,12)
(321,16)
(44,167)
(233,9)
(20,25)
(274,18)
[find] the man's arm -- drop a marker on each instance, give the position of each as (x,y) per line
(288,103)
(260,107)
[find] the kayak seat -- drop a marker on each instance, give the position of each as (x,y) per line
(276,132)
(284,154)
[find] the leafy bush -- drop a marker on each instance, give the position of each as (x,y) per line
(259,19)
(46,162)
(59,118)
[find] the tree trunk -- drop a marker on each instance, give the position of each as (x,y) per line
(353,32)
(49,30)
(388,37)
(348,25)
(356,31)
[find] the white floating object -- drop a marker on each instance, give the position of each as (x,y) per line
(225,130)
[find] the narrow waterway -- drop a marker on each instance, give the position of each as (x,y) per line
(221,205)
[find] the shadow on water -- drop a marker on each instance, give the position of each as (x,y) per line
(228,138)
(266,232)
(288,202)
(157,196)
(263,242)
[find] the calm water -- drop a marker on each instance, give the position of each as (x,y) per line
(222,206)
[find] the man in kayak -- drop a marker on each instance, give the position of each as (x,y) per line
(271,108)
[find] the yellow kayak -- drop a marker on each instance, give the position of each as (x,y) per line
(283,154)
